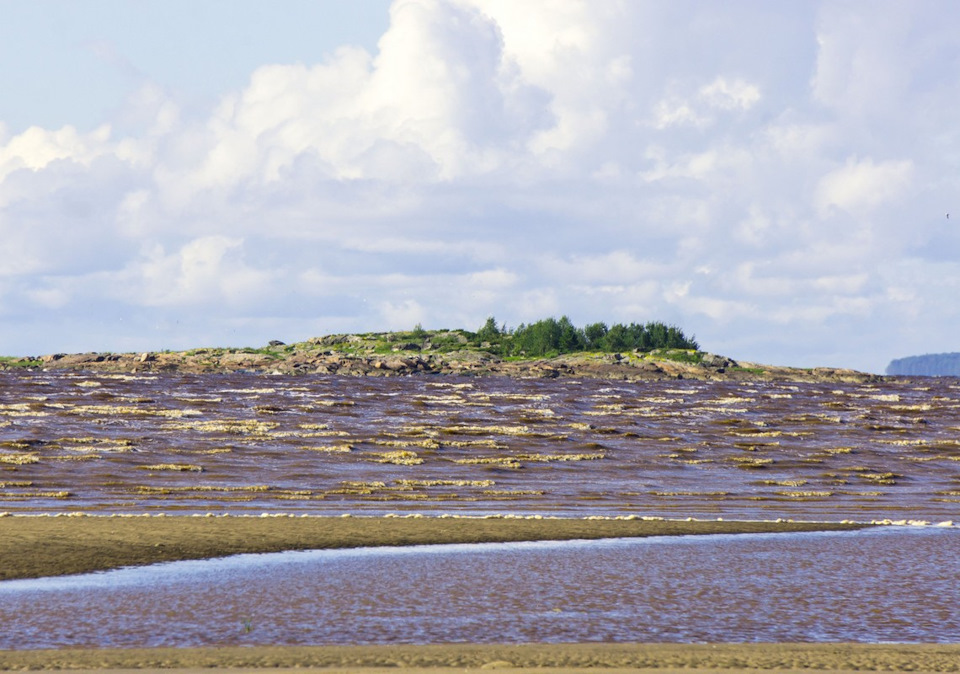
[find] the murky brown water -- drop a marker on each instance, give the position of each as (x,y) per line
(886,584)
(328,445)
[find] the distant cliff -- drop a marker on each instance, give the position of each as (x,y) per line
(929,365)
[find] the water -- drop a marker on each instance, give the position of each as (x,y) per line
(244,443)
(892,584)
(328,445)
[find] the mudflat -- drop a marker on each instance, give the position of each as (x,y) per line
(546,658)
(36,546)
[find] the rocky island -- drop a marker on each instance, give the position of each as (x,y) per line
(436,352)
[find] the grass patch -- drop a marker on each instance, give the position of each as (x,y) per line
(747,370)
(12,362)
(690,356)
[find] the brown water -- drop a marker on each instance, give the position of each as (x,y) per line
(885,584)
(328,445)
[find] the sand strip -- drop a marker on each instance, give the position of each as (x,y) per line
(32,547)
(560,657)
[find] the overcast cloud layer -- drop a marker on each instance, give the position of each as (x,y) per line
(772,177)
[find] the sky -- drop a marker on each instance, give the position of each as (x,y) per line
(772,177)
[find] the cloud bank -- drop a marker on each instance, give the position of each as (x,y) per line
(771,177)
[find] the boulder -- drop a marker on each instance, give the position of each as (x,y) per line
(712,360)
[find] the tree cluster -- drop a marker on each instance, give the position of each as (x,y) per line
(553,337)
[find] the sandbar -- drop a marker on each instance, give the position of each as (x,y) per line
(37,546)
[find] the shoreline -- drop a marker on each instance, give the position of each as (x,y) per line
(553,658)
(36,546)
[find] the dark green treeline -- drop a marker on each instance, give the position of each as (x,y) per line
(550,336)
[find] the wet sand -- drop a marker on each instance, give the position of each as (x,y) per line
(36,546)
(544,657)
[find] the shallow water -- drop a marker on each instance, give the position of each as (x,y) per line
(893,584)
(328,445)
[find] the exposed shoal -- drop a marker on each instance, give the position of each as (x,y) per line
(547,658)
(36,546)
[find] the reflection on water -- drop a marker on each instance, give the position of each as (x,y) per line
(253,443)
(890,584)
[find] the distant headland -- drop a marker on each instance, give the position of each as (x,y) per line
(929,365)
(548,348)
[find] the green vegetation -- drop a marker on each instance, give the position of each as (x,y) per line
(691,356)
(418,339)
(269,352)
(551,337)
(542,339)
(14,362)
(276,353)
(748,370)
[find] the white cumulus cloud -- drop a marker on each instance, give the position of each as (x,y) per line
(863,185)
(772,177)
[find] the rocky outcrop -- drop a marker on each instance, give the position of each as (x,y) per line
(431,353)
